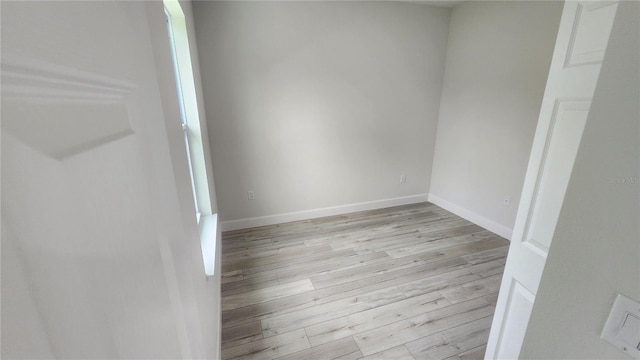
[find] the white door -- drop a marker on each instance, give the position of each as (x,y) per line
(98,260)
(580,46)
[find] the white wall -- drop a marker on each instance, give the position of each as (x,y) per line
(498,58)
(596,249)
(319,104)
(102,255)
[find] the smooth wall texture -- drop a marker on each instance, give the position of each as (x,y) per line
(497,63)
(100,250)
(596,247)
(319,104)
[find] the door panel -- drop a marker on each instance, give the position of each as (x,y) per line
(589,36)
(580,46)
(520,302)
(88,186)
(561,148)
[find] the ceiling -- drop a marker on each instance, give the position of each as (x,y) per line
(445,3)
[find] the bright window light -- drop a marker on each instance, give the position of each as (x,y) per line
(190,121)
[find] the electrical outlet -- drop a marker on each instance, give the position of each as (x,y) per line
(403,178)
(506,200)
(251,195)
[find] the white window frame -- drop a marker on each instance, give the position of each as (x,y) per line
(190,120)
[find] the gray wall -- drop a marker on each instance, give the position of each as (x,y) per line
(497,63)
(319,104)
(596,247)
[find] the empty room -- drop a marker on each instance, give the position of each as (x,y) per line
(320,179)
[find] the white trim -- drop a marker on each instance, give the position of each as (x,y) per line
(26,78)
(186,91)
(316,213)
(475,218)
(209,240)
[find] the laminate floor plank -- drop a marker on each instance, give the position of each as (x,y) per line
(393,236)
(488,269)
(323,268)
(401,238)
(341,349)
(474,354)
(231,276)
(266,251)
(426,274)
(473,289)
(308,259)
(408,282)
(491,298)
(388,224)
(362,272)
(335,309)
(438,282)
(396,353)
(405,274)
(486,255)
(249,262)
(271,348)
(358,322)
(249,283)
(452,342)
(279,306)
(331,225)
(401,332)
(261,295)
(440,243)
(464,249)
(242,334)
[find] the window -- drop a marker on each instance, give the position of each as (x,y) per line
(181,104)
(190,121)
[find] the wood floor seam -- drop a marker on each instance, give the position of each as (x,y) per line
(407,282)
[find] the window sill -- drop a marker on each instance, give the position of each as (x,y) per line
(208,241)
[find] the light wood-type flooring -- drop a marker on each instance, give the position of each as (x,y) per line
(408,282)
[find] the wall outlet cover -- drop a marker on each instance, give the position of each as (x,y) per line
(622,328)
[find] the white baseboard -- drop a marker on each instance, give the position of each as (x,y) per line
(317,213)
(475,218)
